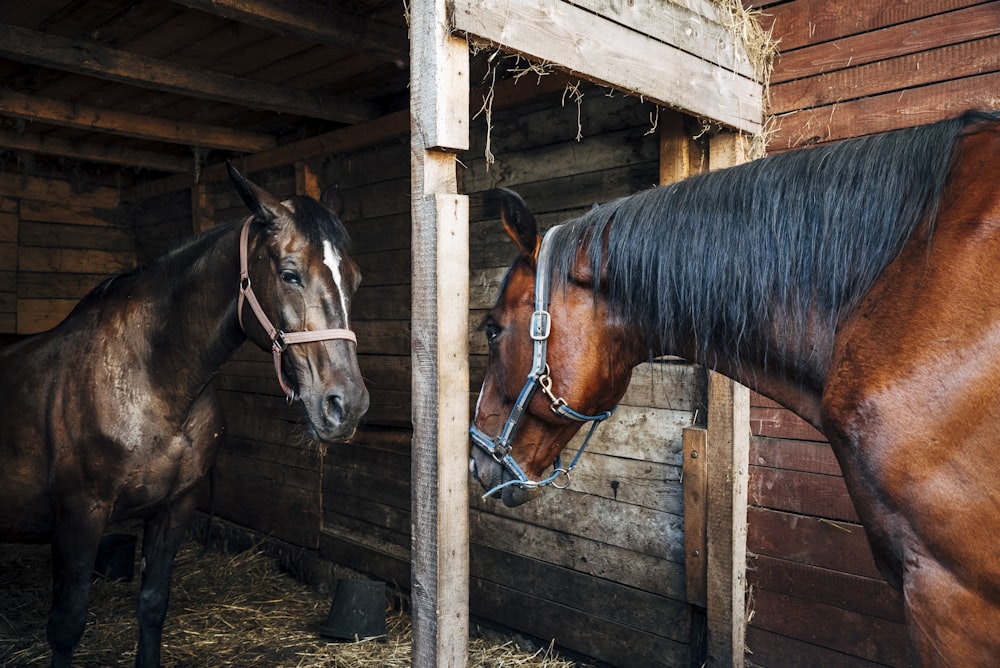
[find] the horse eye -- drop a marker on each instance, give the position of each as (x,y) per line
(492,332)
(289,276)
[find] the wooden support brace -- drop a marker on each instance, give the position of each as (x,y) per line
(439,127)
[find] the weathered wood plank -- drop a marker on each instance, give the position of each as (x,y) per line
(773,650)
(954,61)
(779,453)
(127,124)
(600,599)
(56,191)
(592,556)
(974,22)
(94,59)
(867,596)
(812,494)
(880,113)
(620,645)
(315,22)
(870,638)
(696,515)
(439,88)
(839,546)
(610,53)
(806,22)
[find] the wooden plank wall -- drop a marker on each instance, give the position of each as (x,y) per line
(854,68)
(598,567)
(58,240)
(844,70)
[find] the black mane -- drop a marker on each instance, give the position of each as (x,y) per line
(800,236)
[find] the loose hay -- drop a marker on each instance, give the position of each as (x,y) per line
(225,610)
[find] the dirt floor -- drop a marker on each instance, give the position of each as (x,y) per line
(225,610)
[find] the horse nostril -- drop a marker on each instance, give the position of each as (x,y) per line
(335,408)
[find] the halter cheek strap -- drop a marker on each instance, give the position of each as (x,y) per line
(539,377)
(279,339)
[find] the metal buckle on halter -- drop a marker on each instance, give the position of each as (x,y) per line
(278,341)
(540,326)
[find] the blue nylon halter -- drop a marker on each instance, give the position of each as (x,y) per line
(499,448)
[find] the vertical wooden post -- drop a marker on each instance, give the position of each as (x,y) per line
(439,126)
(201,208)
(729,442)
(306,180)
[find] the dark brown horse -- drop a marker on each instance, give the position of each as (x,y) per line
(111,415)
(855,284)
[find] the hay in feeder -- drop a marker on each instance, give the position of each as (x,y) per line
(225,610)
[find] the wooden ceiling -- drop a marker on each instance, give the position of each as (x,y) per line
(158,86)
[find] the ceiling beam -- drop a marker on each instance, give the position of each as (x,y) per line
(93,152)
(128,124)
(95,60)
(316,22)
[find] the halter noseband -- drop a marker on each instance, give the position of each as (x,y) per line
(279,339)
(539,377)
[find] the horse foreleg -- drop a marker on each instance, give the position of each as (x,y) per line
(74,550)
(161,537)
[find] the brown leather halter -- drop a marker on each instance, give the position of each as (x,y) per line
(279,339)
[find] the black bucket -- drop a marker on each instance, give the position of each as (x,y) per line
(116,557)
(357,611)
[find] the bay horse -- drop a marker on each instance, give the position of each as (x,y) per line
(855,284)
(111,415)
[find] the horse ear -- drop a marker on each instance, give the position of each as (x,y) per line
(519,223)
(333,199)
(261,203)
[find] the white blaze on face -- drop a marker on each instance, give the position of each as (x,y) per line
(331,258)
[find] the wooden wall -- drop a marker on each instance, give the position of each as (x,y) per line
(59,237)
(844,70)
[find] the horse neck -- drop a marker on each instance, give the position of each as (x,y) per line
(199,285)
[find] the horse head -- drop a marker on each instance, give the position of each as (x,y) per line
(299,281)
(559,359)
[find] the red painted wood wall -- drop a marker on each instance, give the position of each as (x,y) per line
(845,69)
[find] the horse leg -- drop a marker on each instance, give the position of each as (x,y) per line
(74,550)
(161,537)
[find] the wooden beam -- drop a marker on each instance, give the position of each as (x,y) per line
(439,106)
(603,50)
(317,22)
(337,141)
(93,152)
(95,60)
(728,477)
(57,191)
(128,124)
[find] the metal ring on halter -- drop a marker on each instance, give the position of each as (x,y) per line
(555,480)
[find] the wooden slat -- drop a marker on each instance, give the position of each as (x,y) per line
(971,23)
(56,191)
(93,59)
(889,111)
(94,152)
(954,61)
(610,53)
(781,423)
(622,645)
(839,546)
(870,638)
(803,22)
(591,555)
(773,650)
(811,494)
(317,22)
(696,515)
(867,596)
(779,453)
